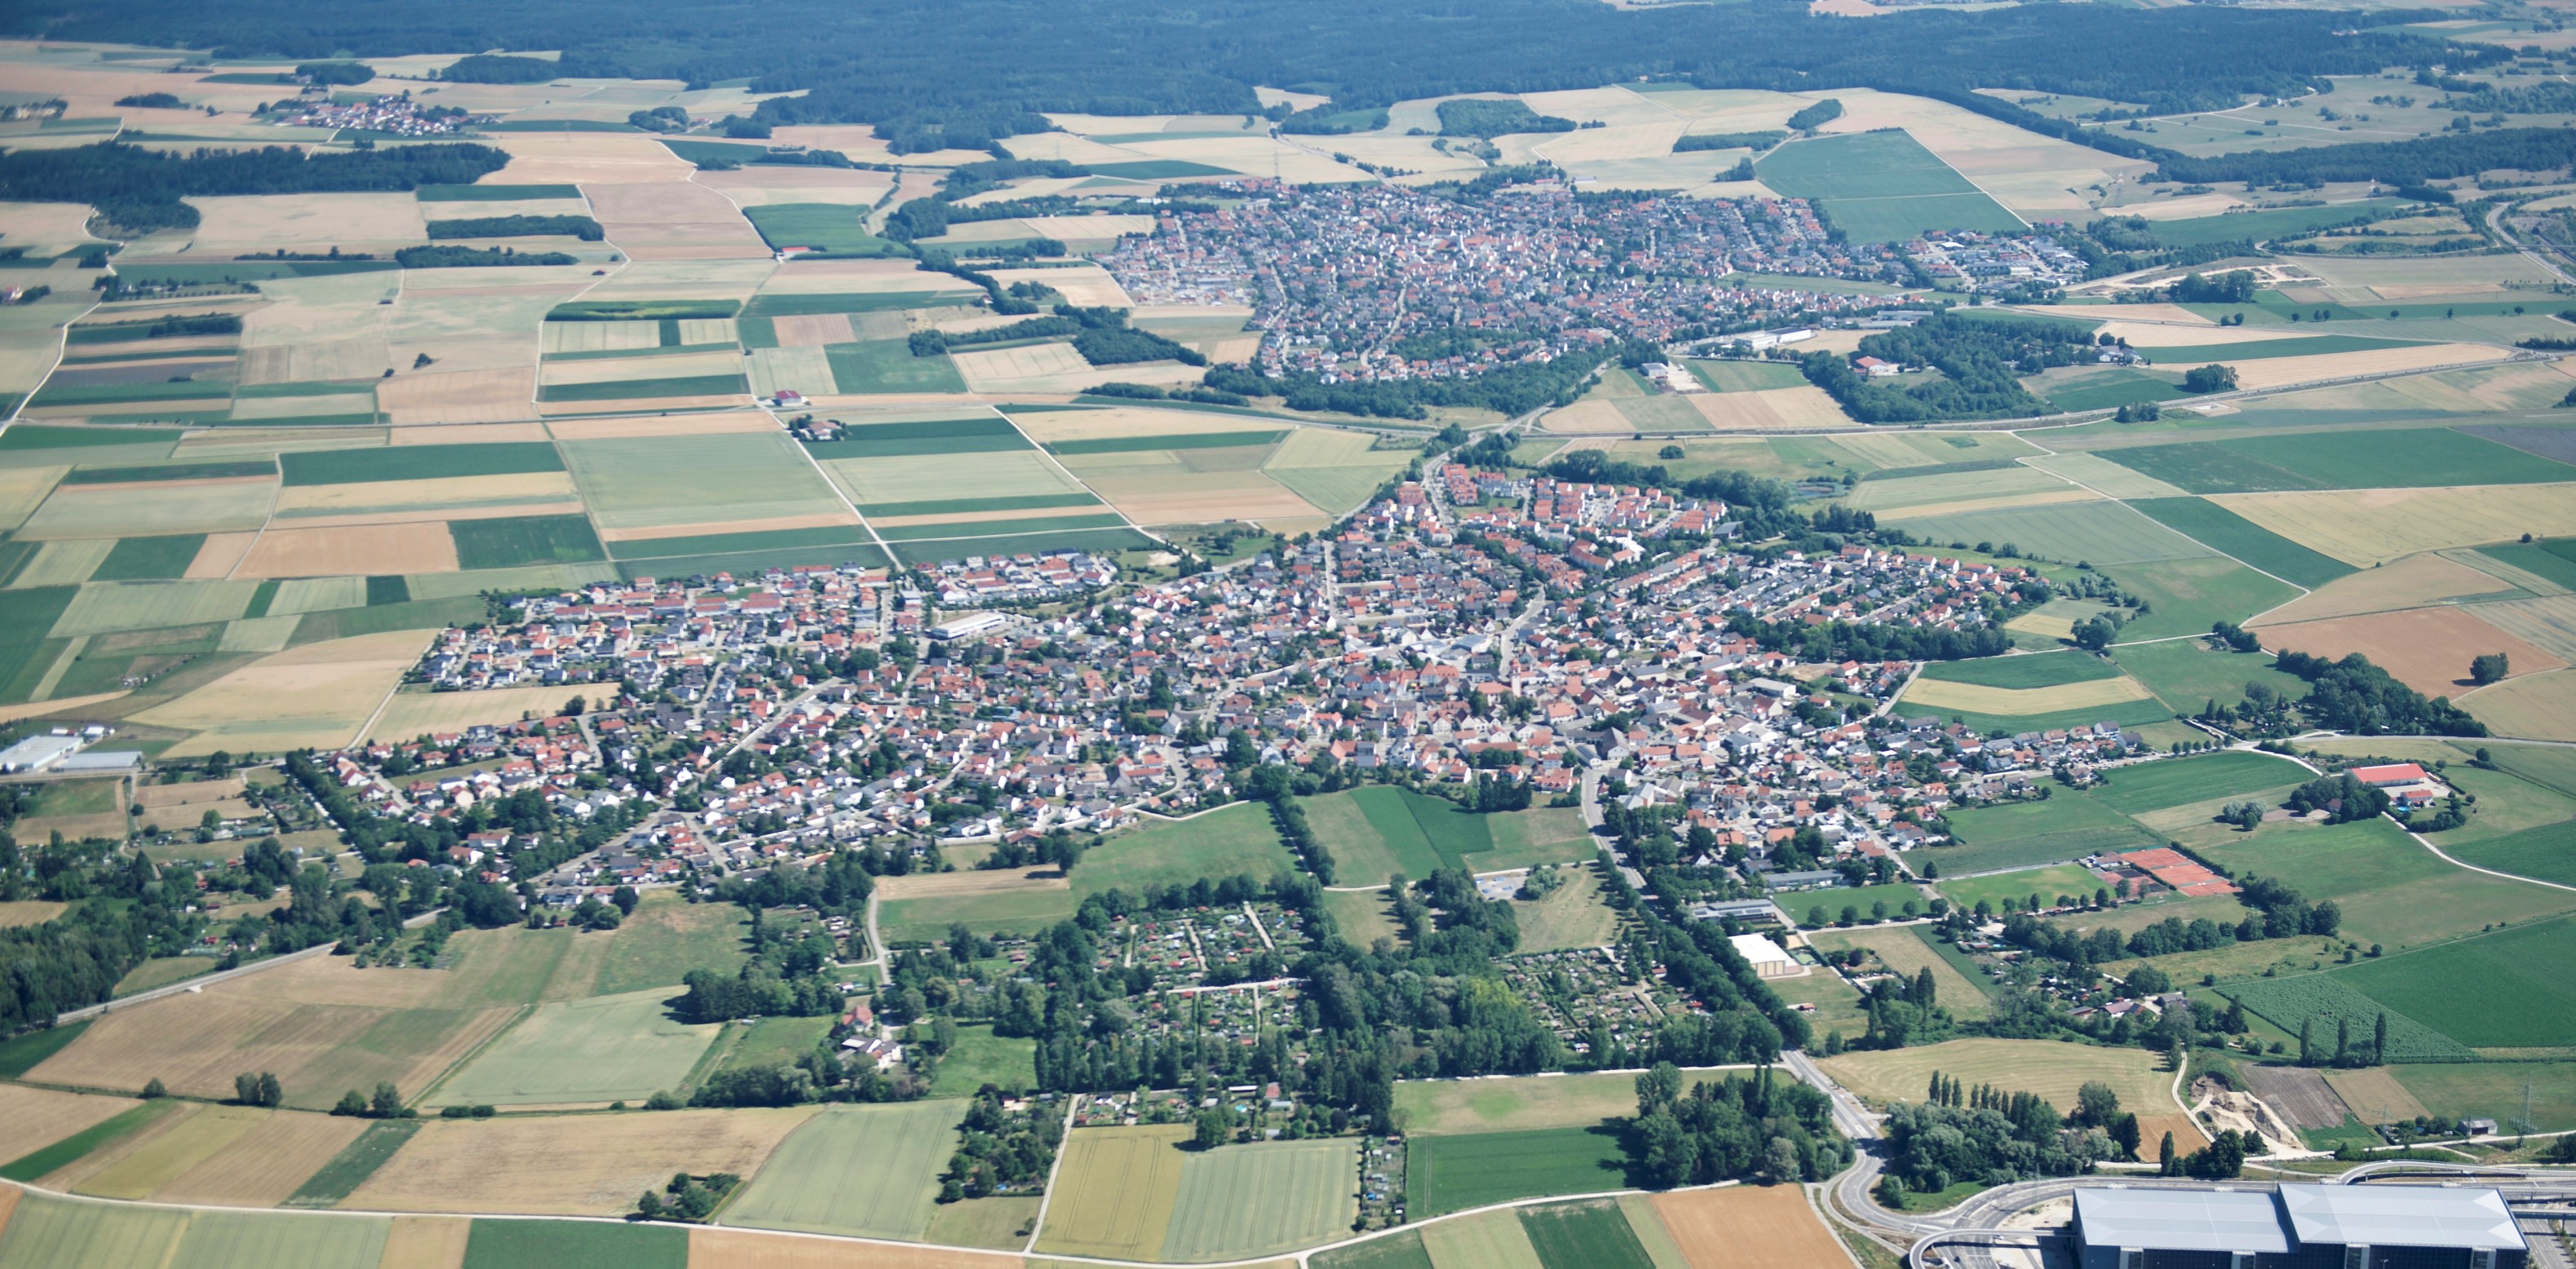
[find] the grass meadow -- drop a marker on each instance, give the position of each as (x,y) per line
(981,1057)
(607,1048)
(869,1171)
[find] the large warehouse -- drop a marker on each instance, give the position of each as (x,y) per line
(2297,1227)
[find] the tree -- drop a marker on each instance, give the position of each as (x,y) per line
(352,1103)
(625,898)
(2379,1040)
(2165,1157)
(153,1091)
(2093,634)
(2491,668)
(2209,379)
(1213,1128)
(1780,1161)
(271,1093)
(2097,1105)
(387,1103)
(650,1206)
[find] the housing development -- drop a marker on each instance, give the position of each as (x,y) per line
(1593,635)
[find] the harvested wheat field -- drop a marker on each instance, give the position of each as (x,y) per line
(461,396)
(2408,583)
(923,885)
(1749,1227)
(2375,1095)
(263,1167)
(1089,285)
(521,1163)
(411,714)
(813,332)
(195,1044)
(426,1242)
(1771,409)
(711,424)
(46,228)
(435,493)
(39,1117)
(2535,706)
(589,159)
(318,695)
(2281,372)
(2365,527)
(748,1249)
(2427,649)
(218,554)
(1053,426)
(466,434)
(675,220)
(1976,698)
(348,551)
(265,222)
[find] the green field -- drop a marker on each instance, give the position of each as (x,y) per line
(1881,186)
(279,1240)
(2547,853)
(517,541)
(2392,891)
(870,1171)
(518,1244)
(2124,713)
(2186,595)
(776,1042)
(357,1161)
(638,389)
(825,226)
(981,1057)
(810,304)
(1240,1201)
(2044,669)
(149,559)
(2200,231)
(641,310)
(2495,1090)
(965,506)
(2508,989)
(2104,389)
(2066,826)
(608,1048)
(171,471)
(1482,1107)
(748,543)
(2094,532)
(984,434)
(2551,559)
(1099,541)
(677,480)
(887,365)
(1593,1235)
(2403,459)
(2228,533)
(2154,786)
(493,193)
(2185,675)
(417,462)
(1452,1173)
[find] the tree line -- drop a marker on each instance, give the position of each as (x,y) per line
(140,189)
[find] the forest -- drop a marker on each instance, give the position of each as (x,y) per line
(140,189)
(1980,360)
(929,80)
(2404,164)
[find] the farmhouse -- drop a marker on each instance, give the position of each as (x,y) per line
(2407,784)
(2300,1225)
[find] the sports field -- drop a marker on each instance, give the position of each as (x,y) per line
(1454,1172)
(1248,1200)
(863,1170)
(1115,1191)
(608,1048)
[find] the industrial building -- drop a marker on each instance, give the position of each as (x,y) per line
(2297,1227)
